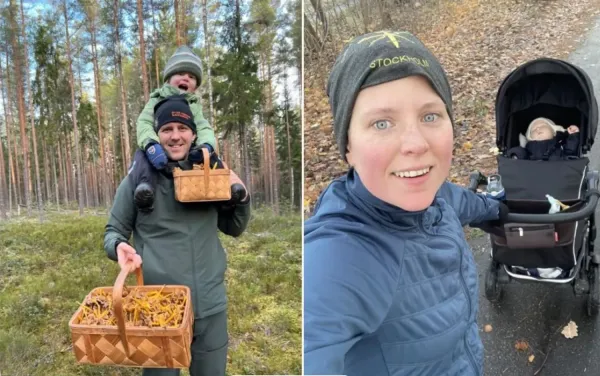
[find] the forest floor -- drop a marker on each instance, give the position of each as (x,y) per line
(478,43)
(47,269)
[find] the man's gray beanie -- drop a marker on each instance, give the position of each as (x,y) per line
(375,58)
(184,60)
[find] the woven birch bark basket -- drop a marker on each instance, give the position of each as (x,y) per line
(133,346)
(202,184)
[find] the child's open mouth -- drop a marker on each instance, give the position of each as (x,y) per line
(183,87)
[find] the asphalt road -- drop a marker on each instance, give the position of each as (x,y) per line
(536,313)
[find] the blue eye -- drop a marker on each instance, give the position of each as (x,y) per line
(382,124)
(430,117)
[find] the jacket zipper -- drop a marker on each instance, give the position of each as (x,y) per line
(464,285)
(195,307)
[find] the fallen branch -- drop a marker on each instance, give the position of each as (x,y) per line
(549,350)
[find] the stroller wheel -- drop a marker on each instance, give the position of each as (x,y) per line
(493,289)
(593,301)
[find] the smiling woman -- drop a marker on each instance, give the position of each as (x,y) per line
(413,135)
(379,296)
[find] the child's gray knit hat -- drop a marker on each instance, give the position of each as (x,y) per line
(375,58)
(184,60)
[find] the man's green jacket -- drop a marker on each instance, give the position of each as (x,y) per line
(178,243)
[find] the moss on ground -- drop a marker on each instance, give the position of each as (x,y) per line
(47,269)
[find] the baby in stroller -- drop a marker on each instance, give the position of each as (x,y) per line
(544,140)
(537,243)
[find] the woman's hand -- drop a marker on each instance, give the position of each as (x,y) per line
(128,257)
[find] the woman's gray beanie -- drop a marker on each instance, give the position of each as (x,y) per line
(376,58)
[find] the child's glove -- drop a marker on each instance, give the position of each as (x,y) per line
(195,156)
(156,155)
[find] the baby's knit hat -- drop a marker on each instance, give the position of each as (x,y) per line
(375,58)
(555,128)
(184,60)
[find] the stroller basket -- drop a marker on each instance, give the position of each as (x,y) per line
(543,245)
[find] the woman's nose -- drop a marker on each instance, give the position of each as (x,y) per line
(413,142)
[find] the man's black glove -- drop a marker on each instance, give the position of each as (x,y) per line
(239,195)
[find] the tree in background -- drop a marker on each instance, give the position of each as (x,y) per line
(72,103)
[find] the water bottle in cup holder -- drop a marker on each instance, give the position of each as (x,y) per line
(495,188)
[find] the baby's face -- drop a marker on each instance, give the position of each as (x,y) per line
(400,142)
(184,81)
(541,131)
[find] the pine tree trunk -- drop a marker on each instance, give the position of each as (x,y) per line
(11,144)
(156,48)
(7,126)
(46,171)
(245,158)
(208,62)
(87,183)
(37,174)
(177,23)
(142,50)
(63,173)
(183,21)
(17,178)
(273,154)
(98,93)
(95,184)
(69,168)
(126,156)
(56,189)
(289,147)
(21,104)
(225,152)
(74,113)
(33,133)
(3,186)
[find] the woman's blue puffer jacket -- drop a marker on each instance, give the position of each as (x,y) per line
(391,292)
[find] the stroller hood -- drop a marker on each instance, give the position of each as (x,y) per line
(549,88)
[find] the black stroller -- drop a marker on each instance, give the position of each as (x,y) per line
(533,240)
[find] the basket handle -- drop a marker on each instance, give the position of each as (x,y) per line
(118,302)
(206,166)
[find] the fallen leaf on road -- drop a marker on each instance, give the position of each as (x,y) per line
(570,331)
(531,358)
(521,346)
(487,328)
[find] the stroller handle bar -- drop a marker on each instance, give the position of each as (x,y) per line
(592,177)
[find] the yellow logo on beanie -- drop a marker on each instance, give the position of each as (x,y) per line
(391,36)
(384,62)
